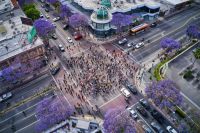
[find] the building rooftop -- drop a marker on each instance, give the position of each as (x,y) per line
(118,5)
(176,2)
(4,4)
(13,38)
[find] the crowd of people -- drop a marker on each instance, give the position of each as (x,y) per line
(96,73)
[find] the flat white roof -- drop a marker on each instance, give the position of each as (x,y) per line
(14,41)
(176,2)
(81,124)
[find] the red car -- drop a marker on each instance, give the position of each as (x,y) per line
(77,36)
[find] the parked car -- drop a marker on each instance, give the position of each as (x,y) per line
(144,103)
(123,41)
(54,36)
(5,96)
(142,111)
(171,130)
(156,127)
(133,113)
(132,88)
(54,25)
(56,19)
(65,26)
(41,15)
(131,44)
(139,45)
(147,129)
(125,92)
(62,49)
(77,36)
(43,6)
(158,116)
(153,25)
(47,16)
(55,70)
(69,40)
(46,9)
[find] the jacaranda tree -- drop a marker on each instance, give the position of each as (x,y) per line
(51,111)
(120,20)
(18,69)
(117,120)
(24,2)
(164,94)
(169,44)
(65,12)
(44,29)
(52,1)
(78,21)
(193,31)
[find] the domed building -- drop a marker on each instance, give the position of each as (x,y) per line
(101,22)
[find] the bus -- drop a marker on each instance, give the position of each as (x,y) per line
(139,28)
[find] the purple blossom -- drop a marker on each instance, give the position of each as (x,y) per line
(23,2)
(52,111)
(116,120)
(120,20)
(169,44)
(52,1)
(44,28)
(77,20)
(193,31)
(164,94)
(65,11)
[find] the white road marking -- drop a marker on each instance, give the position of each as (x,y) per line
(110,100)
(190,100)
(8,126)
(26,126)
(24,110)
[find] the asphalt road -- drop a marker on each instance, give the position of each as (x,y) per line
(172,27)
(16,117)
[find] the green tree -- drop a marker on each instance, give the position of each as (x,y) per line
(29,6)
(32,13)
(196,54)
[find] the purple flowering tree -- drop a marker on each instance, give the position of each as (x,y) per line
(52,1)
(78,21)
(193,31)
(120,20)
(164,94)
(44,29)
(169,44)
(117,120)
(65,12)
(51,111)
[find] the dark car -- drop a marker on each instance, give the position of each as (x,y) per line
(54,36)
(47,10)
(153,25)
(132,88)
(65,27)
(156,115)
(156,127)
(142,111)
(123,41)
(144,103)
(55,70)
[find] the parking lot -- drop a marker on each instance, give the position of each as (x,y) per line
(175,71)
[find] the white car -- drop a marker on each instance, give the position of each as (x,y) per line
(41,15)
(60,46)
(125,92)
(171,130)
(133,113)
(139,45)
(69,40)
(47,16)
(54,24)
(130,44)
(5,96)
(56,19)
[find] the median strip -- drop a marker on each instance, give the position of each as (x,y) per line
(43,92)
